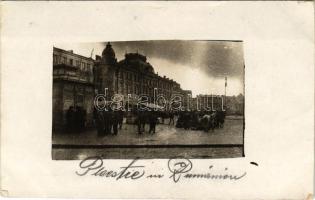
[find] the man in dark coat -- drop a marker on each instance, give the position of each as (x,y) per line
(81,115)
(115,121)
(187,120)
(99,123)
(194,120)
(213,120)
(141,118)
(107,121)
(120,118)
(171,115)
(180,120)
(221,118)
(70,119)
(152,121)
(76,120)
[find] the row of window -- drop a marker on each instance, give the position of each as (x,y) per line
(64,60)
(73,74)
(144,90)
(149,82)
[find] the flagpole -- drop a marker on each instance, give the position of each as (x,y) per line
(211,102)
(225,92)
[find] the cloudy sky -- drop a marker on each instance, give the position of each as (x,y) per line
(199,66)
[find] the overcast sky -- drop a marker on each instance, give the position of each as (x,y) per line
(199,66)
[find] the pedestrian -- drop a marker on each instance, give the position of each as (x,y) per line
(180,120)
(70,119)
(213,120)
(171,115)
(100,123)
(186,120)
(120,118)
(81,118)
(137,121)
(141,121)
(95,113)
(115,121)
(76,120)
(194,120)
(206,122)
(162,117)
(221,117)
(152,121)
(107,121)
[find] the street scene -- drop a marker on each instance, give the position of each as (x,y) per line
(168,141)
(124,109)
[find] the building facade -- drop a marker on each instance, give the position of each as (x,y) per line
(78,79)
(73,85)
(133,75)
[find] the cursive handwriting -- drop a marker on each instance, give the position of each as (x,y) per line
(180,168)
(94,166)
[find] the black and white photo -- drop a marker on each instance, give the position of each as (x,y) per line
(148,99)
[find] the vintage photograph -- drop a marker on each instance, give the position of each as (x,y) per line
(148,99)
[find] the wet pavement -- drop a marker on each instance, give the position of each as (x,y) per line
(167,142)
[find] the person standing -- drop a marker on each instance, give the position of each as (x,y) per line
(186,120)
(141,121)
(171,115)
(76,120)
(120,118)
(115,121)
(70,119)
(152,121)
(138,122)
(81,114)
(100,123)
(107,121)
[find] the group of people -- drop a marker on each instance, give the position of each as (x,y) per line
(108,121)
(76,119)
(146,117)
(199,120)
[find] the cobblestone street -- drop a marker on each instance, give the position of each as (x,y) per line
(168,141)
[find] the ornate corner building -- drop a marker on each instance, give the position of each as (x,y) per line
(77,79)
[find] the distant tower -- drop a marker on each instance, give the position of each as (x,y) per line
(108,55)
(106,71)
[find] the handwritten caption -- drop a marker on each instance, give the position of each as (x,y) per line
(178,169)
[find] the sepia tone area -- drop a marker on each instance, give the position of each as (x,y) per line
(128,108)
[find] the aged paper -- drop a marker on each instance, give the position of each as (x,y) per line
(258,58)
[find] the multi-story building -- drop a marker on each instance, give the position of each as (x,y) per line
(72,85)
(133,75)
(77,79)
